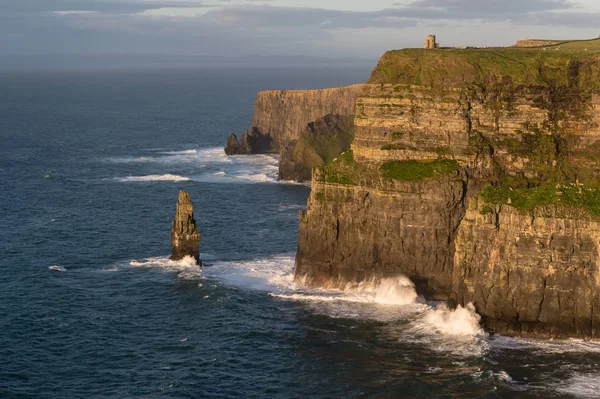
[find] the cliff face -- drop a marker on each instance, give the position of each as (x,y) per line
(185,236)
(282,117)
(321,142)
(476,174)
(530,274)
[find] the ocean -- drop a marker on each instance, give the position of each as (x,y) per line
(90,306)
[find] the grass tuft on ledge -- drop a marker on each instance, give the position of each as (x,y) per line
(527,199)
(341,170)
(417,171)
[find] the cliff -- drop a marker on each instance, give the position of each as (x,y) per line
(185,236)
(282,117)
(476,174)
(321,141)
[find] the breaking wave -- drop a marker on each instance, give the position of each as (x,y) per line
(167,177)
(459,321)
(209,165)
(581,385)
(390,300)
(186,269)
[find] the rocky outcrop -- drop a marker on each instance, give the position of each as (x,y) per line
(321,142)
(252,142)
(185,236)
(281,117)
(476,173)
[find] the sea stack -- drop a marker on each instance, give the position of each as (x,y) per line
(185,236)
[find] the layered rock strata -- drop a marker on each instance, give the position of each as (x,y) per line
(321,142)
(185,236)
(477,174)
(282,117)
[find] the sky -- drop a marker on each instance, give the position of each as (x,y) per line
(319,28)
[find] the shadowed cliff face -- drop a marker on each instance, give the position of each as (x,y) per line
(185,236)
(321,142)
(476,174)
(282,117)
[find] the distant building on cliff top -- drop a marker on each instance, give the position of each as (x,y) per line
(430,42)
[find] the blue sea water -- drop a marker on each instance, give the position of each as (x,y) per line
(90,307)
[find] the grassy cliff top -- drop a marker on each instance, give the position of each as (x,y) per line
(461,67)
(574,46)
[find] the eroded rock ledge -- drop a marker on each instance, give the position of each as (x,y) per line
(476,173)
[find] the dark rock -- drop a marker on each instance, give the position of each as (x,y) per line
(233,146)
(292,168)
(322,141)
(252,142)
(281,118)
(256,142)
(185,236)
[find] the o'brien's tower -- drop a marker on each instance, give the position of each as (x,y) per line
(430,42)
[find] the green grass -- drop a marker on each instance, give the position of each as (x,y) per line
(485,210)
(455,67)
(442,150)
(417,171)
(592,45)
(392,147)
(341,170)
(565,194)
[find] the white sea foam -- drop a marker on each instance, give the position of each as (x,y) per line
(211,155)
(459,321)
(149,178)
(385,300)
(57,268)
(187,269)
(209,165)
(186,152)
(581,385)
(572,345)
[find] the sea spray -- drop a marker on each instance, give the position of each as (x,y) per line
(460,321)
(151,178)
(397,290)
(186,268)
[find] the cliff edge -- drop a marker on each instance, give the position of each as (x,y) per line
(282,118)
(476,173)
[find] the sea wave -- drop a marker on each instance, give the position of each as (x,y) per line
(391,300)
(208,165)
(205,155)
(149,178)
(186,269)
(580,385)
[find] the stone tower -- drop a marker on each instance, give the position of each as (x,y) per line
(185,236)
(430,42)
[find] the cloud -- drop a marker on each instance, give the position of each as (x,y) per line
(488,9)
(252,26)
(25,7)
